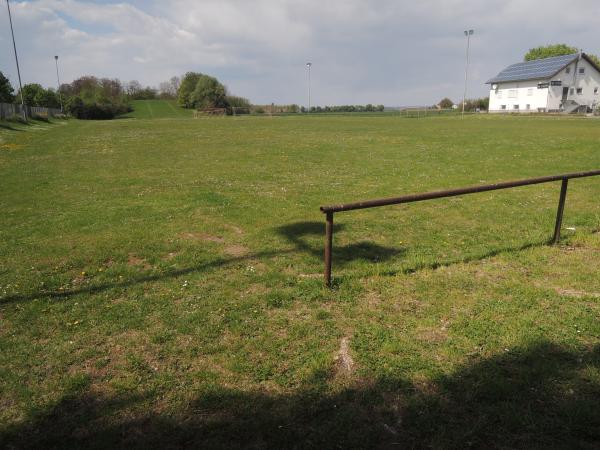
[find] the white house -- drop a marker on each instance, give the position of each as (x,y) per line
(565,84)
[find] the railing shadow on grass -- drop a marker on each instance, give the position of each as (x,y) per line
(294,233)
(364,250)
(541,396)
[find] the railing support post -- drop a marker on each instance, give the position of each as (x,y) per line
(561,209)
(328,245)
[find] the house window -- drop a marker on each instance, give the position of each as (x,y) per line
(579,91)
(516,107)
(572,91)
(512,93)
(568,70)
(582,70)
(528,107)
(502,106)
(530,92)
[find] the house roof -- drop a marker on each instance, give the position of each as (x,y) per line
(537,69)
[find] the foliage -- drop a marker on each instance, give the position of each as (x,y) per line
(208,93)
(186,89)
(201,91)
(35,95)
(135,91)
(6,90)
(481,104)
(345,108)
(445,103)
(548,51)
(168,89)
(93,98)
(594,58)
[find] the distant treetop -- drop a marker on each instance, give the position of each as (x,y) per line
(548,51)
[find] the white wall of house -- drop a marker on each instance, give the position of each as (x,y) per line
(584,88)
(518,96)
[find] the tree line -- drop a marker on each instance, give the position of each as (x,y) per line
(90,97)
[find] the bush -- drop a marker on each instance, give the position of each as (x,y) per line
(96,110)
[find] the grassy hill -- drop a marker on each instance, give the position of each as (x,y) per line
(158,109)
(160,284)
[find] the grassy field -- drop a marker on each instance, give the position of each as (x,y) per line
(160,284)
(158,109)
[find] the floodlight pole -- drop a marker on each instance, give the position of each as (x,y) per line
(309,65)
(468,34)
(58,84)
(17,61)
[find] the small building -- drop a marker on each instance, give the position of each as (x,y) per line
(567,84)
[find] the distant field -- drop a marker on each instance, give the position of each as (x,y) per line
(160,284)
(158,109)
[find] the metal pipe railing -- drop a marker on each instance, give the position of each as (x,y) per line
(331,209)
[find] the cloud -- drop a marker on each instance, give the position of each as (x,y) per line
(390,51)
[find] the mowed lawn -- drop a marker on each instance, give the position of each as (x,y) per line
(158,109)
(160,284)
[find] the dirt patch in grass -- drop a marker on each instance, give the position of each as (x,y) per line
(433,335)
(202,237)
(344,364)
(236,250)
(373,298)
(575,293)
(236,230)
(135,261)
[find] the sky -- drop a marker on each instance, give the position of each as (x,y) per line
(391,52)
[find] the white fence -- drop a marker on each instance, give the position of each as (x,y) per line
(9,111)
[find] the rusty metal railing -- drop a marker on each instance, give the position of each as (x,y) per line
(331,209)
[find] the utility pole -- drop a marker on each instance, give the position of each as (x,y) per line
(58,83)
(309,65)
(17,61)
(468,34)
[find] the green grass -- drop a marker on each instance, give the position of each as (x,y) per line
(158,109)
(160,284)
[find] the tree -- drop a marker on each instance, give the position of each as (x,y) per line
(186,88)
(6,90)
(32,93)
(93,98)
(133,87)
(547,51)
(595,59)
(47,98)
(446,103)
(209,93)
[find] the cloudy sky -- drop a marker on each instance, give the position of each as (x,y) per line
(395,52)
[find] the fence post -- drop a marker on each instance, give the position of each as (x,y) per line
(561,209)
(328,245)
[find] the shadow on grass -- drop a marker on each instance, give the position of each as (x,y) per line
(363,250)
(543,397)
(8,126)
(294,233)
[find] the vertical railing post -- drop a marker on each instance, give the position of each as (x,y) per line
(328,245)
(561,209)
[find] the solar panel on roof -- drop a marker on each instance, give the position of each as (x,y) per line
(531,70)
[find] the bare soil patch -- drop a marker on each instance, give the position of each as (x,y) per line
(236,250)
(344,364)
